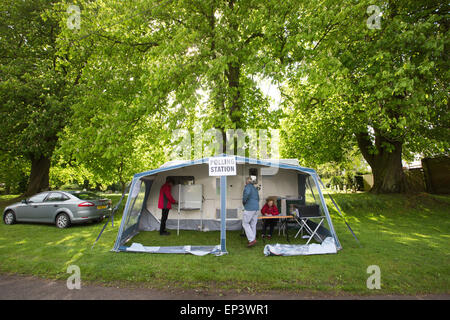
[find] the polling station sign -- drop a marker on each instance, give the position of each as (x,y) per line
(222,166)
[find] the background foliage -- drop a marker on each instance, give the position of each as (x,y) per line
(90,106)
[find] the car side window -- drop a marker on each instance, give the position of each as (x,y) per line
(64,197)
(38,198)
(56,196)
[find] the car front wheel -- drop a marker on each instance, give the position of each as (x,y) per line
(62,221)
(9,218)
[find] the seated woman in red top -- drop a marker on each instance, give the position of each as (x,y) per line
(269,209)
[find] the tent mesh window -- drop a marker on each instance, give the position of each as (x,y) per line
(136,205)
(312,194)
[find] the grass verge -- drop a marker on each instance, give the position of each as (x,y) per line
(407,236)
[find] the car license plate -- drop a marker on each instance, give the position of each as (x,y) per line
(101,207)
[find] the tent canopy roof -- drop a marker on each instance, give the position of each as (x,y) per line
(282,163)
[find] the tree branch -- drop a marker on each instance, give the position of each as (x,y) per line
(327,31)
(253,36)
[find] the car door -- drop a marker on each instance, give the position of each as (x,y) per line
(51,204)
(30,211)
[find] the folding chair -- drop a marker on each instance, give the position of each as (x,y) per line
(305,214)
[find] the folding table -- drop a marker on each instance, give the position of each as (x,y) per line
(283,224)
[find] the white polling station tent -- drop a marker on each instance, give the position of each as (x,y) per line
(209,203)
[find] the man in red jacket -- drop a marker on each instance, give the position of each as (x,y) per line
(165,203)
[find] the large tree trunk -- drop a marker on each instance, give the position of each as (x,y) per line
(123,186)
(388,173)
(386,164)
(233,74)
(39,176)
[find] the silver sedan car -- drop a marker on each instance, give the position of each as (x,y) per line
(59,207)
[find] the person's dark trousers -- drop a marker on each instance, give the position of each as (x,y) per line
(269,223)
(165,214)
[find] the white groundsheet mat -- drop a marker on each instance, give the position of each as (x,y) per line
(326,247)
(195,250)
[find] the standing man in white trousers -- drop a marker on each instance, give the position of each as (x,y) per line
(250,200)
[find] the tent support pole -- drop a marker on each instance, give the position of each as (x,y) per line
(179,196)
(223,213)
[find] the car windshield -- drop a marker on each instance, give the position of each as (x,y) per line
(85,195)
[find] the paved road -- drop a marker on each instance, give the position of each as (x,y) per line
(22,287)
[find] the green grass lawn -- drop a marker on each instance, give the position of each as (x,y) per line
(407,236)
